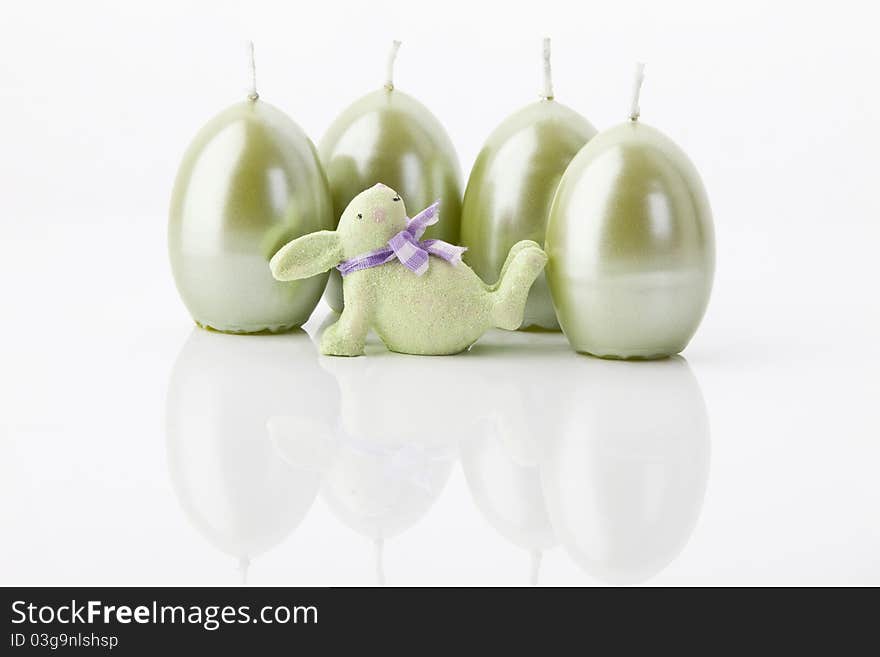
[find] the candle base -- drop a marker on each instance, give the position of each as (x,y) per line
(247,330)
(629,356)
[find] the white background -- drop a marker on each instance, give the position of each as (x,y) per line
(777,104)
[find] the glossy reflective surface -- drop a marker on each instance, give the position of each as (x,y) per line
(624,486)
(200,455)
(249,182)
(380,476)
(631,246)
(510,190)
(390,137)
(259,427)
(232,483)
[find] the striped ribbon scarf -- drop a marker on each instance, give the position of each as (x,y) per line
(407,247)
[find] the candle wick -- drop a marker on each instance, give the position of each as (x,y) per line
(378,561)
(243,565)
(635,110)
(534,575)
(547,92)
(253,95)
(389,71)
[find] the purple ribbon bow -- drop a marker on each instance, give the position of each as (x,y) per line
(406,247)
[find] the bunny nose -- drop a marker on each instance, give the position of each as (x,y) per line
(378,215)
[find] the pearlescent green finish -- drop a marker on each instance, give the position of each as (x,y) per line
(510,190)
(249,183)
(631,246)
(389,137)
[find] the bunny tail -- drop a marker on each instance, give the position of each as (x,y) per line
(524,262)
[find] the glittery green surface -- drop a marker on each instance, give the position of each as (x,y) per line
(444,311)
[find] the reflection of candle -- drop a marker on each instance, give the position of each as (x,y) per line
(631,244)
(500,456)
(382,466)
(512,184)
(388,136)
(506,490)
(233,483)
(249,183)
(624,489)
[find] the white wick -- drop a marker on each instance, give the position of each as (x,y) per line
(243,564)
(379,561)
(389,69)
(253,95)
(536,567)
(637,90)
(547,93)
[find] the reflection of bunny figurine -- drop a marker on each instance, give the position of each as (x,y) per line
(501,463)
(382,464)
(415,304)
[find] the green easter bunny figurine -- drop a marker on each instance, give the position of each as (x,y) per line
(416,304)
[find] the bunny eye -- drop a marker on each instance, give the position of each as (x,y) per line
(396,198)
(360,216)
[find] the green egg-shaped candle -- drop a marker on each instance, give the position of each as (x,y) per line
(511,187)
(631,245)
(249,182)
(389,137)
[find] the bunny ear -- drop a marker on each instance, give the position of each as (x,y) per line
(307,256)
(427,217)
